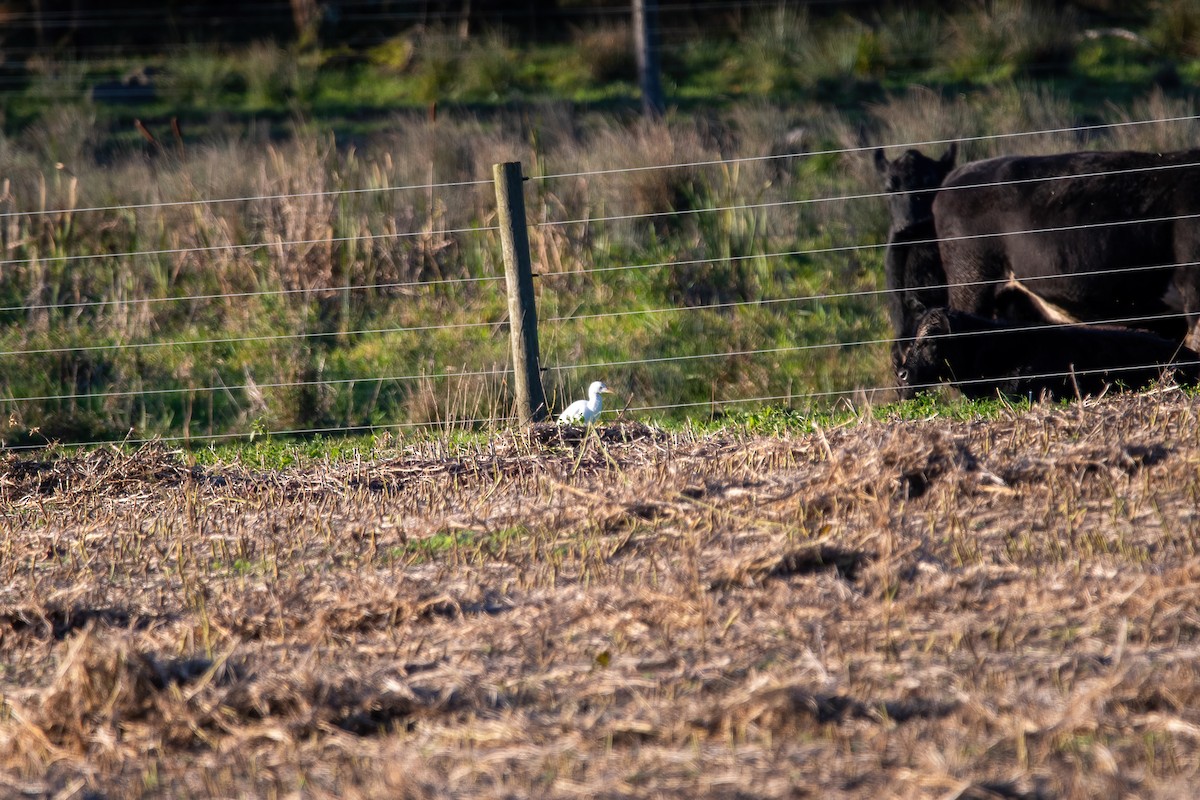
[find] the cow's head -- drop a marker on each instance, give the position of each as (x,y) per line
(922,360)
(913,312)
(911,182)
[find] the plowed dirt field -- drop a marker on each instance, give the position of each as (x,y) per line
(999,609)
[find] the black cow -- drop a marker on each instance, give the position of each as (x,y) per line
(912,265)
(982,357)
(912,181)
(1091,235)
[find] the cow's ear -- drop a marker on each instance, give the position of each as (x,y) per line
(913,304)
(914,307)
(934,323)
(881,162)
(950,156)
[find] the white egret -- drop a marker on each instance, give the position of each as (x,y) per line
(586,411)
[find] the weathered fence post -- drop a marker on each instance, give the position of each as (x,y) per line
(518,274)
(645,32)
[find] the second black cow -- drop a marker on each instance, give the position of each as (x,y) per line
(913,268)
(981,357)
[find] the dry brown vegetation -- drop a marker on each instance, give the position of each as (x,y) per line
(905,609)
(355,285)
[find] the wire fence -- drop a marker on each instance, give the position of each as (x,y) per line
(1071,130)
(197,396)
(375,24)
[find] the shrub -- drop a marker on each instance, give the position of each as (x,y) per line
(607,53)
(778,41)
(198,77)
(487,69)
(919,115)
(393,55)
(274,76)
(1001,39)
(1181,134)
(1175,28)
(1017,108)
(907,39)
(65,136)
(436,65)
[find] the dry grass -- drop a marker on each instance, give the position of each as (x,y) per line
(931,609)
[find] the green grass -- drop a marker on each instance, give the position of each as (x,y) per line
(261,450)
(783,54)
(266,452)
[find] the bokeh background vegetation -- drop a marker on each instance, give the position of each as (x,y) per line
(352,170)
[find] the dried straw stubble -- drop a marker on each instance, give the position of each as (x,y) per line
(976,609)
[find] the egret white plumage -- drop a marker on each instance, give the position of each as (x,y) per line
(586,411)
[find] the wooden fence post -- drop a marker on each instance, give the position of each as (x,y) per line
(518,274)
(646,42)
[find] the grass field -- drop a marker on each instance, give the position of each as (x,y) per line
(884,608)
(335,286)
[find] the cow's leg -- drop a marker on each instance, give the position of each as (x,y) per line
(1017,302)
(1192,340)
(1183,289)
(1183,296)
(973,280)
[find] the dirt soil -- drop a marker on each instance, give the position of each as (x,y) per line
(1000,609)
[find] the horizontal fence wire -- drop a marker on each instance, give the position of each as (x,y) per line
(421,376)
(1143,318)
(861,293)
(405,21)
(340,288)
(1072,129)
(499,421)
(208,248)
(217,248)
(118,346)
(623,170)
(76,305)
(866,195)
(348,9)
(850,393)
(252,198)
(191,298)
(366,12)
(620,217)
(262,338)
(449,425)
(1120,321)
(627,267)
(476,373)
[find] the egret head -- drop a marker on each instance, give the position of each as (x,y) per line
(598,388)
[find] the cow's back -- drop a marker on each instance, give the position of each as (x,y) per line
(1070,188)
(1096,233)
